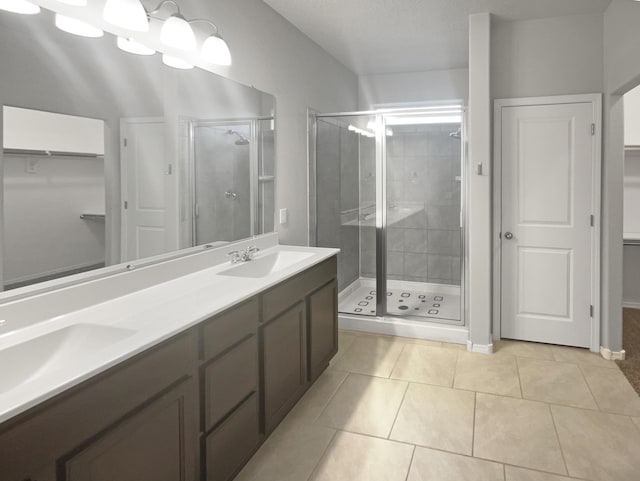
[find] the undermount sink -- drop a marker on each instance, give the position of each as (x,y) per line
(41,355)
(265,265)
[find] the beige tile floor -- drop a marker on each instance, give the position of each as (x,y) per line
(397,409)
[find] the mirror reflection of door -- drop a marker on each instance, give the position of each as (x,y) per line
(222,164)
(54,196)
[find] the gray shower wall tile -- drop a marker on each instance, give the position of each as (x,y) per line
(396,240)
(415,144)
(444,242)
(443,217)
(395,168)
(415,265)
(395,263)
(439,267)
(395,146)
(415,240)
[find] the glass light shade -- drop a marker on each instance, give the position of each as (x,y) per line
(128,14)
(216,51)
(177,33)
(19,6)
(77,27)
(176,62)
(75,3)
(131,46)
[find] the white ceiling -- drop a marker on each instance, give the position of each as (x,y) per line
(384,36)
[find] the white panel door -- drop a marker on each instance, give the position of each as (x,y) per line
(143,167)
(547,192)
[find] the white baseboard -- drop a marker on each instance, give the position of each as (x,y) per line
(631,304)
(393,326)
(480,348)
(610,355)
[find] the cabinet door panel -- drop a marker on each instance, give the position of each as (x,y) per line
(157,442)
(323,328)
(284,363)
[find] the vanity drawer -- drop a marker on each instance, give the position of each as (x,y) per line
(230,446)
(230,379)
(289,292)
(226,329)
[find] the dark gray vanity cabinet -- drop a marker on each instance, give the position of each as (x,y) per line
(323,328)
(155,443)
(230,400)
(194,408)
(299,334)
(130,423)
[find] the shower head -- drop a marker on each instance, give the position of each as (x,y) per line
(457,134)
(241,139)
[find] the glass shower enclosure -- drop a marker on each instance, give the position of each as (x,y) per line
(387,188)
(232,166)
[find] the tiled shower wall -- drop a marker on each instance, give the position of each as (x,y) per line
(423,173)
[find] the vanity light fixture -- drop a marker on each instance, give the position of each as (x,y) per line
(128,14)
(19,6)
(131,46)
(77,27)
(214,49)
(175,62)
(176,31)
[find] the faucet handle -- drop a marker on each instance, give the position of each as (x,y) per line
(253,249)
(235,256)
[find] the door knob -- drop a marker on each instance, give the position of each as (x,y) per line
(508,235)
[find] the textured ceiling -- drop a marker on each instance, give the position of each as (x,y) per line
(384,36)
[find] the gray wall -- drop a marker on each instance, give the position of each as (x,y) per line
(622,73)
(550,56)
(401,88)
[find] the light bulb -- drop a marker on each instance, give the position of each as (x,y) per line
(19,6)
(77,27)
(128,14)
(216,51)
(177,33)
(176,62)
(131,46)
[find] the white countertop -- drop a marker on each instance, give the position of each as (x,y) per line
(147,317)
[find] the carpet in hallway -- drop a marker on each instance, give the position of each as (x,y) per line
(631,344)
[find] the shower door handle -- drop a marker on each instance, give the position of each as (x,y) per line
(508,235)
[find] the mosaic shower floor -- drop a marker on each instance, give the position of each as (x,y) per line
(429,302)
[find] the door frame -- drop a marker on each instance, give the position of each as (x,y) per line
(596,166)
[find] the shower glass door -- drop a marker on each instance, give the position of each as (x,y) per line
(346,207)
(423,246)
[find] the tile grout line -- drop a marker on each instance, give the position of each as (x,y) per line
(519,378)
(586,381)
(324,408)
(393,424)
(504,472)
(324,453)
(413,453)
(555,429)
(404,346)
(473,430)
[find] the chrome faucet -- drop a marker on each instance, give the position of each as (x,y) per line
(243,256)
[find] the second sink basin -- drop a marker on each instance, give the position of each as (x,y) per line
(265,265)
(64,347)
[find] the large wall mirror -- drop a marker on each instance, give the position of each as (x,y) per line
(110,157)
